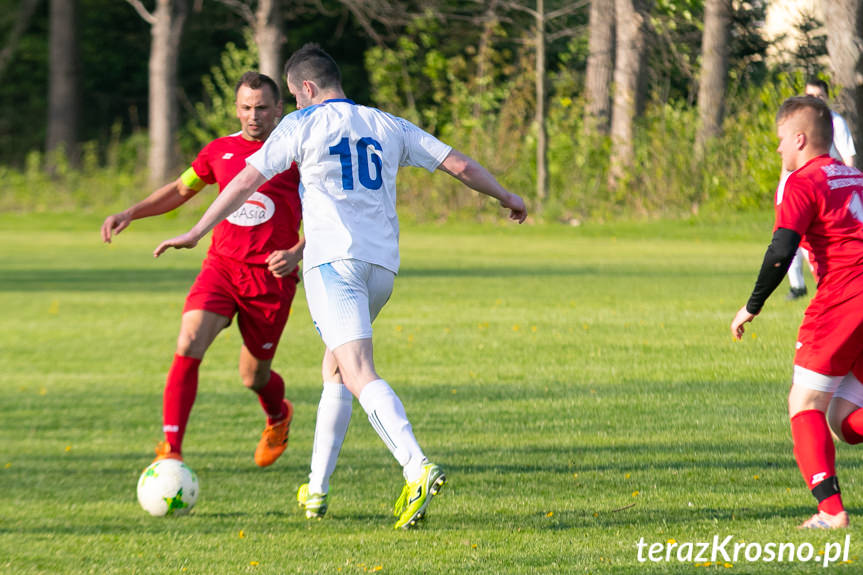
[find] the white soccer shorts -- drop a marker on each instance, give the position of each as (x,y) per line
(844,386)
(850,389)
(345,297)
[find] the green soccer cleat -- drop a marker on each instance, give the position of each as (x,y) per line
(314,504)
(412,503)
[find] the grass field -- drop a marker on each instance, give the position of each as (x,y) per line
(579,385)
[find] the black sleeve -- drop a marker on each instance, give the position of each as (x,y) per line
(777,259)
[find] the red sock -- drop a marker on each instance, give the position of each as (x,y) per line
(180,392)
(272,398)
(852,427)
(815,454)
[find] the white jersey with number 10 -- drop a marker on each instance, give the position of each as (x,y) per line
(348,157)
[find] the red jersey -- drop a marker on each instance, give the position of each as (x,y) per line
(269,220)
(823,202)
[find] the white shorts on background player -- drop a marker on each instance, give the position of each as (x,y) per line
(843,144)
(345,297)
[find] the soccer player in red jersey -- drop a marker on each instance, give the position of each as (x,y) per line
(250,271)
(821,208)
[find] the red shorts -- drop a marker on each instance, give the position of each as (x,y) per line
(830,340)
(261,301)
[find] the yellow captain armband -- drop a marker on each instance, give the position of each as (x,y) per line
(191,180)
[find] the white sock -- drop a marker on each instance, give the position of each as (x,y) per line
(795,272)
(388,418)
(334,415)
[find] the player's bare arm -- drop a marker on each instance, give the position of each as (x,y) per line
(232,197)
(472,174)
(167,198)
(282,262)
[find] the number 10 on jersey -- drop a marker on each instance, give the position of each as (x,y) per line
(343,151)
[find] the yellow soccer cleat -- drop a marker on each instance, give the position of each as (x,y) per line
(412,503)
(314,504)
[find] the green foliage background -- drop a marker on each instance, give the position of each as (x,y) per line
(481,101)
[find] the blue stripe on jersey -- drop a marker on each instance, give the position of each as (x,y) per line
(289,122)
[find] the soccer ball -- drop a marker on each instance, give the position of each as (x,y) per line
(168,487)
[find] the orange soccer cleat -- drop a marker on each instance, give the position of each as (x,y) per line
(163,451)
(274,439)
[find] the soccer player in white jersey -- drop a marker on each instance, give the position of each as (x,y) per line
(348,157)
(843,150)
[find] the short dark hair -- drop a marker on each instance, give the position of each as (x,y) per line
(312,63)
(818,83)
(255,81)
(822,120)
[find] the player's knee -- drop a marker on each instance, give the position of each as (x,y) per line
(837,413)
(330,372)
(189,345)
(255,379)
(834,421)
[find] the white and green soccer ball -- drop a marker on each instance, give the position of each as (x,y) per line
(168,487)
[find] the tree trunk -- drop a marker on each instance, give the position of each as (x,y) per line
(600,66)
(541,131)
(63,82)
(489,21)
(630,23)
(166,31)
(844,22)
(269,38)
(714,71)
(26,8)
